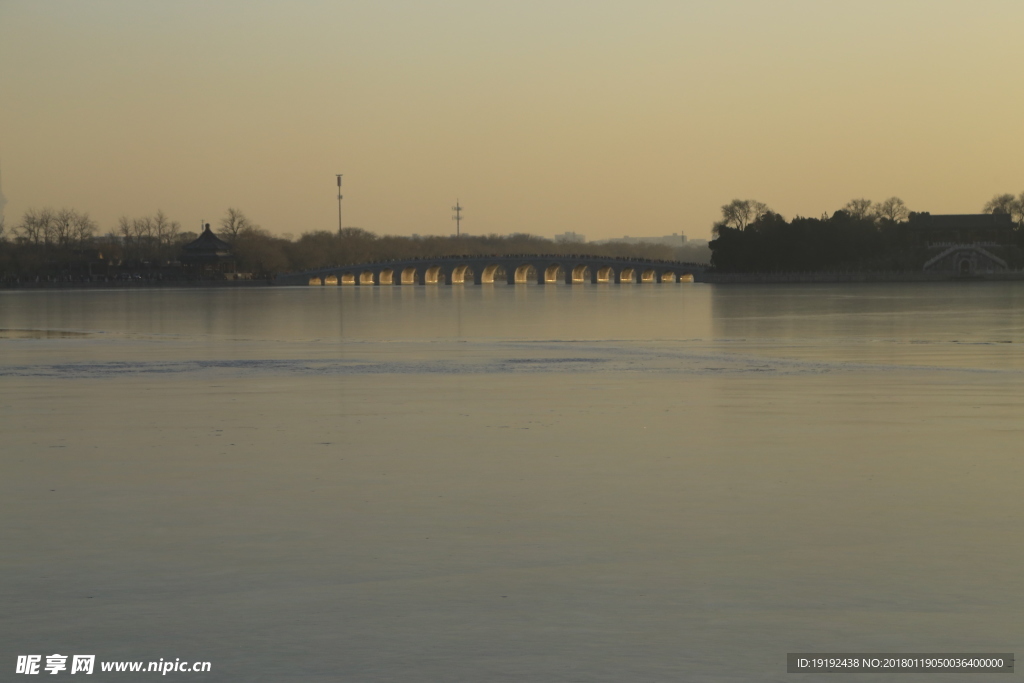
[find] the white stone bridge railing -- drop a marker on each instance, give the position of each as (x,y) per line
(512,268)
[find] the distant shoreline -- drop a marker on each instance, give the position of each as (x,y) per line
(703,278)
(145,284)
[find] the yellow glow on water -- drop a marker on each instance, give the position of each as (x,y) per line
(525,274)
(491,273)
(553,274)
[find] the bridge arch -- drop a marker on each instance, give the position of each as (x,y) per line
(433,275)
(523,274)
(330,280)
(459,274)
(386,277)
(580,274)
(605,275)
(553,274)
(489,272)
(315,282)
(366,277)
(627,275)
(408,276)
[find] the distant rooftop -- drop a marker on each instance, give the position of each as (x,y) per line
(207,249)
(674,240)
(963,220)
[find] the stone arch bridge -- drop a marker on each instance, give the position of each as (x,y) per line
(510,268)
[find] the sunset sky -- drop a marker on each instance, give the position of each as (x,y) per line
(602,117)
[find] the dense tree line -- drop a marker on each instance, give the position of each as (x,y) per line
(64,244)
(352,245)
(259,252)
(750,237)
(52,243)
(863,235)
(44,239)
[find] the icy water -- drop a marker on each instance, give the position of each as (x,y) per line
(590,483)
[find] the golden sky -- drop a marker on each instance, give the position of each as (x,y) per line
(602,117)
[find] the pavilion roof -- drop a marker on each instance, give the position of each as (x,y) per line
(207,242)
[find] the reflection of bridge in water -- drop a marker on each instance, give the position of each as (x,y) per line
(512,269)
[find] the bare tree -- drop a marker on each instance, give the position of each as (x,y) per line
(149,237)
(739,213)
(136,234)
(142,234)
(62,228)
(892,209)
(759,209)
(83,229)
(1007,203)
(234,223)
(124,230)
(35,226)
(1001,203)
(859,208)
(164,230)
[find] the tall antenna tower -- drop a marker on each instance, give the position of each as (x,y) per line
(339,201)
(457,218)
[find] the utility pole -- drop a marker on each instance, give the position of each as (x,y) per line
(3,203)
(457,217)
(339,201)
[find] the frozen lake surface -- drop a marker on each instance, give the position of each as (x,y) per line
(590,483)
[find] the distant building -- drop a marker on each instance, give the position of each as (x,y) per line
(970,228)
(963,243)
(208,253)
(570,237)
(674,240)
(965,259)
